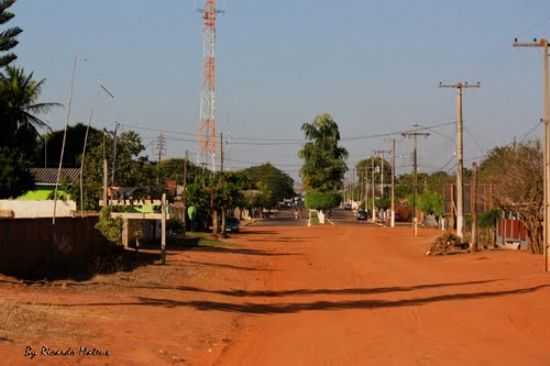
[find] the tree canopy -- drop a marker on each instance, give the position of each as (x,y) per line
(274,184)
(516,171)
(8,37)
(324,159)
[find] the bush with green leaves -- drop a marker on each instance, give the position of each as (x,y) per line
(316,200)
(489,219)
(431,203)
(110,228)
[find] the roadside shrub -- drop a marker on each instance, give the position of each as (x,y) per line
(316,200)
(489,219)
(174,227)
(109,227)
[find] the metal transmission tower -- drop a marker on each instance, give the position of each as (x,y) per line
(545,45)
(207,131)
(460,152)
(161,150)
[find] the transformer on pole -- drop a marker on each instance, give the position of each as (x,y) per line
(207,130)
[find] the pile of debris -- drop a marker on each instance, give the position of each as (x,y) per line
(447,243)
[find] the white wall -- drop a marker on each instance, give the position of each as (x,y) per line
(36,209)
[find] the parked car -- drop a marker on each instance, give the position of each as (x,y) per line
(362,215)
(232,225)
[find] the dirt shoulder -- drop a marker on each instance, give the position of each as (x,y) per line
(152,315)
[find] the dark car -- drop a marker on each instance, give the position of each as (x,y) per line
(362,215)
(232,225)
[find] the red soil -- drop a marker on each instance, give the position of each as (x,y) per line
(342,295)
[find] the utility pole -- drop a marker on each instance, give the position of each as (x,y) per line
(164,208)
(221,184)
(382,163)
(184,193)
(414,135)
(473,208)
(113,164)
(544,44)
(460,152)
(82,161)
(373,184)
(352,186)
(392,218)
(105,173)
(366,179)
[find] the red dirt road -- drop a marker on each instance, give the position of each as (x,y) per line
(334,295)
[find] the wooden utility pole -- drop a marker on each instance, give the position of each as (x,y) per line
(163,230)
(184,193)
(366,180)
(222,181)
(544,44)
(382,163)
(352,185)
(414,134)
(105,174)
(460,152)
(473,208)
(393,166)
(113,164)
(373,191)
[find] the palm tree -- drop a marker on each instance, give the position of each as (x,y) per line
(19,108)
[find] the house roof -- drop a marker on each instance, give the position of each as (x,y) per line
(48,176)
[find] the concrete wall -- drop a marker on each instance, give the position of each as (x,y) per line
(38,209)
(34,248)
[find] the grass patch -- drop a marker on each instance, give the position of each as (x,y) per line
(40,194)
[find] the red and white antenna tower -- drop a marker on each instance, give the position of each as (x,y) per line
(207,131)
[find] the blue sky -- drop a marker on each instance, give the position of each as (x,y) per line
(374,65)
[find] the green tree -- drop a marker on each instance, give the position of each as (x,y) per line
(132,169)
(517,173)
(8,37)
(316,200)
(324,159)
(19,110)
(365,166)
(15,176)
(73,145)
(431,203)
(19,107)
(274,184)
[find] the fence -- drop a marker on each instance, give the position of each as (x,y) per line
(35,248)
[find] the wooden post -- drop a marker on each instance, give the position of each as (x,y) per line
(105,173)
(163,230)
(184,193)
(473,208)
(222,182)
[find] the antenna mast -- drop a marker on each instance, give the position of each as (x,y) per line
(207,131)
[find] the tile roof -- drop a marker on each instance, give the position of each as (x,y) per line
(48,176)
